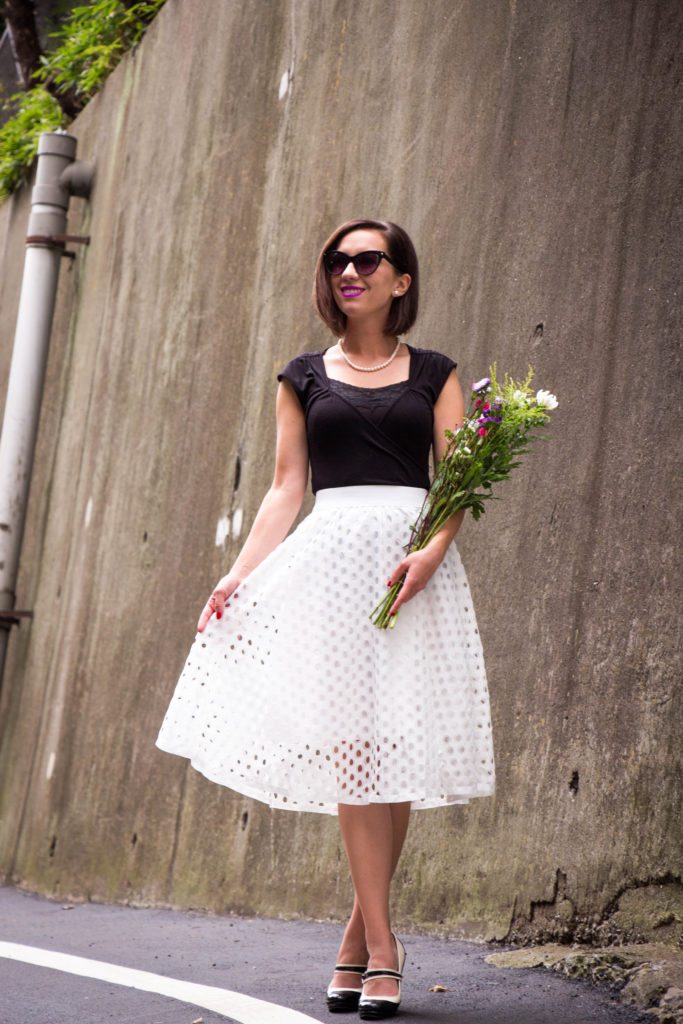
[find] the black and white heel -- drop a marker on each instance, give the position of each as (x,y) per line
(344,1000)
(379,1007)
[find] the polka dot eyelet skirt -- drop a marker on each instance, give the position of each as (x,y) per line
(296,699)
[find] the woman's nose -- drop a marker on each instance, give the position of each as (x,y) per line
(349,270)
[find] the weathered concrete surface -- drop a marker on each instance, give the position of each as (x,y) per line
(533,151)
(648,975)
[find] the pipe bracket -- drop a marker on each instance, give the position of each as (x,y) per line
(15,616)
(58,242)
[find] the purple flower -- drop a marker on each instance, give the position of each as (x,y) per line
(481,384)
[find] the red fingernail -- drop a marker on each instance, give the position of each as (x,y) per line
(389,583)
(218,615)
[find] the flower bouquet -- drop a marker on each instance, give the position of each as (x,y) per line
(499,425)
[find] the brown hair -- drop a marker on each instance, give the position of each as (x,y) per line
(403,310)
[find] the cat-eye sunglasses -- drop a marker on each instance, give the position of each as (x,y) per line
(365,263)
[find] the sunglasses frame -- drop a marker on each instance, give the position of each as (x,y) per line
(352,259)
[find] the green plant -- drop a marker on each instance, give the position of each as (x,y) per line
(38,112)
(90,44)
(93,41)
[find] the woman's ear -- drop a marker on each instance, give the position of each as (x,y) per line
(402,285)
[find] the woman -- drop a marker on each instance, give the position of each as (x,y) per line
(291,695)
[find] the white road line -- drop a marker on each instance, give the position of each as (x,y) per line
(241,1008)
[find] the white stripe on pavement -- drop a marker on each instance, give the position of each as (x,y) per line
(241,1008)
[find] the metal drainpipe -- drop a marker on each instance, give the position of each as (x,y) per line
(58,176)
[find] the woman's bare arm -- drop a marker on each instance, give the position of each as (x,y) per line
(420,566)
(449,412)
(280,505)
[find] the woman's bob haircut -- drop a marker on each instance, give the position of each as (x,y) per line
(403,310)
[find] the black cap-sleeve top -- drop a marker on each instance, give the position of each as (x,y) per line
(359,435)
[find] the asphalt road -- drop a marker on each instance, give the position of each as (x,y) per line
(287,963)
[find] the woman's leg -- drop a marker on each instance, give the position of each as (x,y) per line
(400,816)
(373,836)
(354,948)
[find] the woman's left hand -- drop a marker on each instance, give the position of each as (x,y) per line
(419,566)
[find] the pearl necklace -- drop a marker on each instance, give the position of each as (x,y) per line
(369,369)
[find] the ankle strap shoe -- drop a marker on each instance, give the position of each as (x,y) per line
(380,1007)
(344,1000)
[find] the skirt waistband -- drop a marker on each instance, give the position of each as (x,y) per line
(371,494)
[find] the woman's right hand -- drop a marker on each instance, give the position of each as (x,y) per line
(225,588)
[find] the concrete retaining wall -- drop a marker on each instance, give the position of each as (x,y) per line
(532,149)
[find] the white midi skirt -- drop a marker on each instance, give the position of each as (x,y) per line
(296,699)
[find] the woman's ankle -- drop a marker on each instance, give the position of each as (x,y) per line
(383,950)
(353,950)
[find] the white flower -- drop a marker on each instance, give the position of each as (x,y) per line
(519,396)
(546,399)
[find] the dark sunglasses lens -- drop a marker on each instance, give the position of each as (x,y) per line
(336,262)
(367,262)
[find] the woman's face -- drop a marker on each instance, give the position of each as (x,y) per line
(360,296)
